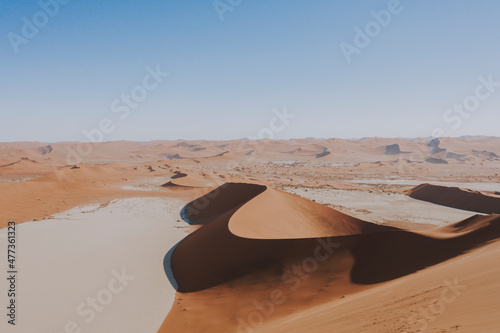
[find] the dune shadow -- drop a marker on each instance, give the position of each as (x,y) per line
(219,201)
(224,200)
(168,268)
(213,255)
(455,197)
(381,257)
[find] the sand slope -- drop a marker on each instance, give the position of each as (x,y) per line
(247,253)
(422,302)
(189,180)
(255,244)
(248,226)
(477,201)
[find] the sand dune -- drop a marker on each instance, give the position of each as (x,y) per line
(330,150)
(259,259)
(251,230)
(189,180)
(247,225)
(459,295)
(392,149)
(274,214)
(82,173)
(18,164)
(476,201)
(62,188)
(435,160)
(46,149)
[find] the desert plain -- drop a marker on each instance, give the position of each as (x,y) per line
(301,235)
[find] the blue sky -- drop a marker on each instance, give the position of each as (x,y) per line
(225,77)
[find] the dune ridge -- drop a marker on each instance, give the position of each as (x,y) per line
(247,225)
(251,233)
(255,241)
(180,179)
(476,201)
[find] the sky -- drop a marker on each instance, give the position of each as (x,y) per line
(229,69)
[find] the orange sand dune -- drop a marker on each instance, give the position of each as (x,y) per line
(467,145)
(261,260)
(82,173)
(476,201)
(62,188)
(12,161)
(315,150)
(459,295)
(24,166)
(247,225)
(275,214)
(189,180)
(249,253)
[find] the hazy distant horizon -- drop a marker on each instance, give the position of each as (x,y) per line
(240,139)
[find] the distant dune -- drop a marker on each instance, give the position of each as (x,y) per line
(45,150)
(258,259)
(367,150)
(434,160)
(476,201)
(392,149)
(180,179)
